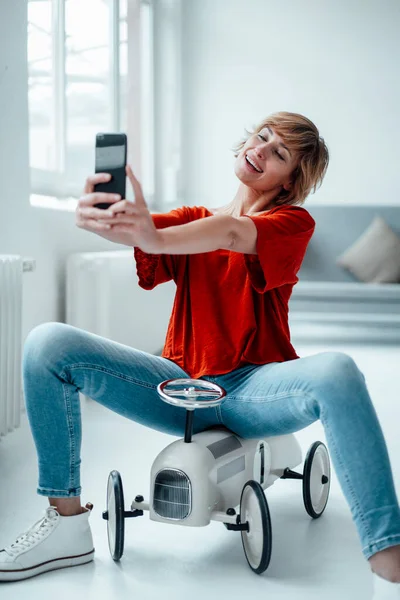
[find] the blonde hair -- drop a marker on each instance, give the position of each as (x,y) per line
(302,137)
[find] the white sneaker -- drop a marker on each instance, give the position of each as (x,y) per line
(384,589)
(53,542)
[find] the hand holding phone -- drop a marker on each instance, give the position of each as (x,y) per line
(98,221)
(124,222)
(110,157)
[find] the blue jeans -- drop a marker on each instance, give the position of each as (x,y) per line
(262,400)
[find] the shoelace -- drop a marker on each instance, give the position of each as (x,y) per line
(35,533)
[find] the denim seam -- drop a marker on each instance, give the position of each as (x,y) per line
(51,491)
(270,398)
(110,372)
(370,547)
(218,407)
(71,436)
(382,508)
(276,397)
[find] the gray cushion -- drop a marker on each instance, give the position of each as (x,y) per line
(375,255)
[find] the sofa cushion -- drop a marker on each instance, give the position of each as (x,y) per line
(375,255)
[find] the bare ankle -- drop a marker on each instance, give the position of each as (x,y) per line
(67,507)
(386,564)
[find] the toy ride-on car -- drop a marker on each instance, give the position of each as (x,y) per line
(215,475)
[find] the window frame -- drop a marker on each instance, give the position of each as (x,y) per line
(54,183)
(153,33)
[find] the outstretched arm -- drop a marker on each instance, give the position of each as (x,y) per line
(221,232)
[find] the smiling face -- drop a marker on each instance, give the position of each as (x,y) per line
(265,163)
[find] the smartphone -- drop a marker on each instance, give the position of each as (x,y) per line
(110,157)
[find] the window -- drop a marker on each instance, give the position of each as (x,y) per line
(77,86)
(80,83)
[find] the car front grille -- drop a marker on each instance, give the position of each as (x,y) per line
(172,497)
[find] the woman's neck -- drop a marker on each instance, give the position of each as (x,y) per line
(248,201)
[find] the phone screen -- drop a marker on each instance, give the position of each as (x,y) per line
(110,157)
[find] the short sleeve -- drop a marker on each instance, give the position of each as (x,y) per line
(153,269)
(282,238)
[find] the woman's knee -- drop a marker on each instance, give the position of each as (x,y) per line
(45,341)
(338,363)
(337,372)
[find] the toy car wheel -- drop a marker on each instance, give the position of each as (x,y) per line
(316,479)
(257,541)
(115,510)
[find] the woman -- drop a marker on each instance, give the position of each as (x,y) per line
(234,268)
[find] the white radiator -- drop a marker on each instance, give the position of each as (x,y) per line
(103,297)
(11,273)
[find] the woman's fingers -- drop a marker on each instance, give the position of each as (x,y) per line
(93,179)
(97,197)
(113,212)
(107,215)
(93,213)
(124,206)
(137,188)
(120,212)
(93,225)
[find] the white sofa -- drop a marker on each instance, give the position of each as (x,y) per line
(328,302)
(350,311)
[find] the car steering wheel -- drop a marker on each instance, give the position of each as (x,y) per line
(191,393)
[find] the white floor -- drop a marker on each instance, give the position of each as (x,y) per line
(310,559)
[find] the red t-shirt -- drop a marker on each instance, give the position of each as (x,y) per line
(230,309)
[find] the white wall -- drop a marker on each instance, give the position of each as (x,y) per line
(336,61)
(46,235)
